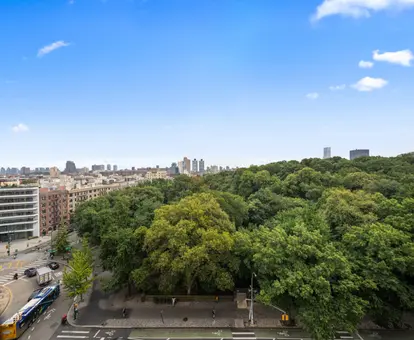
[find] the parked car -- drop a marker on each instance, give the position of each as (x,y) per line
(53,265)
(30,272)
(34,293)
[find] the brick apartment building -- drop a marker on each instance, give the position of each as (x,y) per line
(54,208)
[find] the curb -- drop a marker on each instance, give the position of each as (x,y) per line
(26,250)
(9,293)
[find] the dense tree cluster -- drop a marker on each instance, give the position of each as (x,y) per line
(329,240)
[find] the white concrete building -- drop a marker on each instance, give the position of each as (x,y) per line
(19,212)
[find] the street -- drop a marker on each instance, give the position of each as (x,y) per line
(68,332)
(18,292)
(100,333)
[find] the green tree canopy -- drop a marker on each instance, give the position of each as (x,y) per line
(190,244)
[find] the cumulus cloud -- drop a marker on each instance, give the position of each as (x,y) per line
(403,57)
(358,8)
(50,48)
(365,64)
(337,87)
(20,128)
(369,84)
(313,95)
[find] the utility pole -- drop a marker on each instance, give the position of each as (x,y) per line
(251,312)
(8,241)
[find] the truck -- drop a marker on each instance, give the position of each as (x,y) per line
(44,275)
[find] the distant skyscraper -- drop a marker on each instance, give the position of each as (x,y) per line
(173,170)
(54,172)
(195,165)
(108,167)
(181,167)
(201,166)
(358,153)
(327,152)
(70,167)
(115,167)
(187,164)
(25,171)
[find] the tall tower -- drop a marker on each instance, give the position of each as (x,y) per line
(70,167)
(327,152)
(195,165)
(187,164)
(358,153)
(201,166)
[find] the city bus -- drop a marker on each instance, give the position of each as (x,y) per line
(15,326)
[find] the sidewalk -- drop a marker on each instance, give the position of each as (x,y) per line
(23,245)
(100,309)
(5,297)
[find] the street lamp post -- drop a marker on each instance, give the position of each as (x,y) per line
(252,300)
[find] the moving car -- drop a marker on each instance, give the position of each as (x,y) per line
(53,265)
(30,272)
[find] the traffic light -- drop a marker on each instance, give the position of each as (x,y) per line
(285,317)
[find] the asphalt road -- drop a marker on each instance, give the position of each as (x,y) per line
(71,333)
(20,290)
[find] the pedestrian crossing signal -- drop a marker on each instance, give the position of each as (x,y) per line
(285,317)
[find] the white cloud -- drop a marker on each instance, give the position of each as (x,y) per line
(365,64)
(358,8)
(337,87)
(369,84)
(20,128)
(50,48)
(403,57)
(312,95)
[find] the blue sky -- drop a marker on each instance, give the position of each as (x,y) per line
(236,82)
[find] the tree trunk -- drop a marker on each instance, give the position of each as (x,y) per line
(189,290)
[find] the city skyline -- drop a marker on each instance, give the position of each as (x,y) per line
(263,81)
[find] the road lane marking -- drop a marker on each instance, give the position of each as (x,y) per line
(359,336)
(241,333)
(76,332)
(96,334)
(243,338)
(73,336)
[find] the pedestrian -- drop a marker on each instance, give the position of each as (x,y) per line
(124,312)
(213,313)
(173,301)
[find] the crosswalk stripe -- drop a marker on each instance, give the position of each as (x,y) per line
(79,332)
(73,336)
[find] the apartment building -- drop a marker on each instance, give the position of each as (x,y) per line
(54,208)
(77,196)
(160,174)
(19,212)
